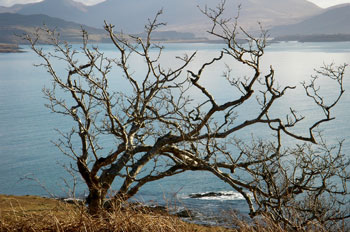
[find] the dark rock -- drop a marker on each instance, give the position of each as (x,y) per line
(200,195)
(185,214)
(210,194)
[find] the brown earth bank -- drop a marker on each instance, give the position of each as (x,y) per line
(9,48)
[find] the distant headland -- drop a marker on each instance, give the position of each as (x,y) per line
(10,48)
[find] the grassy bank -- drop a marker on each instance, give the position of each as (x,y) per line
(33,213)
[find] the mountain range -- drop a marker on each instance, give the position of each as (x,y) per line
(180,15)
(281,18)
(333,21)
(13,26)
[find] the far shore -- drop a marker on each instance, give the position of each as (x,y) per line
(15,48)
(10,48)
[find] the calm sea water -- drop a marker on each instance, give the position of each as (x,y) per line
(27,127)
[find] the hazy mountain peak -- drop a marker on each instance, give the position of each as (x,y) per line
(334,20)
(181,15)
(54,7)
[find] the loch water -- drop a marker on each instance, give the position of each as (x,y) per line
(27,127)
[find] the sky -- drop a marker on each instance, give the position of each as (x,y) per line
(321,3)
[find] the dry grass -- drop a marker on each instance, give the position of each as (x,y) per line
(31,213)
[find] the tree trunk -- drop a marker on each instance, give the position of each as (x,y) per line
(95,201)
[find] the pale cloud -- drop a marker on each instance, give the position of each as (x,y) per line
(321,3)
(328,3)
(12,2)
(90,2)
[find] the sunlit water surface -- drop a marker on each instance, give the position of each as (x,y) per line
(27,127)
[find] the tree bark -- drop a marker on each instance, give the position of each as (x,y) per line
(95,201)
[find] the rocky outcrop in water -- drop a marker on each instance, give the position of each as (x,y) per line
(209,194)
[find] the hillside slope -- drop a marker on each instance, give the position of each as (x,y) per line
(181,15)
(335,20)
(12,26)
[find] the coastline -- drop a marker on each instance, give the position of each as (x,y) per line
(10,48)
(15,48)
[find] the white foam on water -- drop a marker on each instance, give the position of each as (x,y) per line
(229,197)
(221,196)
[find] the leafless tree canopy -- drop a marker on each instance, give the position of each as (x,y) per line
(159,130)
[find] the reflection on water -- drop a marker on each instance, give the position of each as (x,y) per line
(27,127)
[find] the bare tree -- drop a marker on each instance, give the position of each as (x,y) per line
(160,130)
(140,121)
(301,186)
